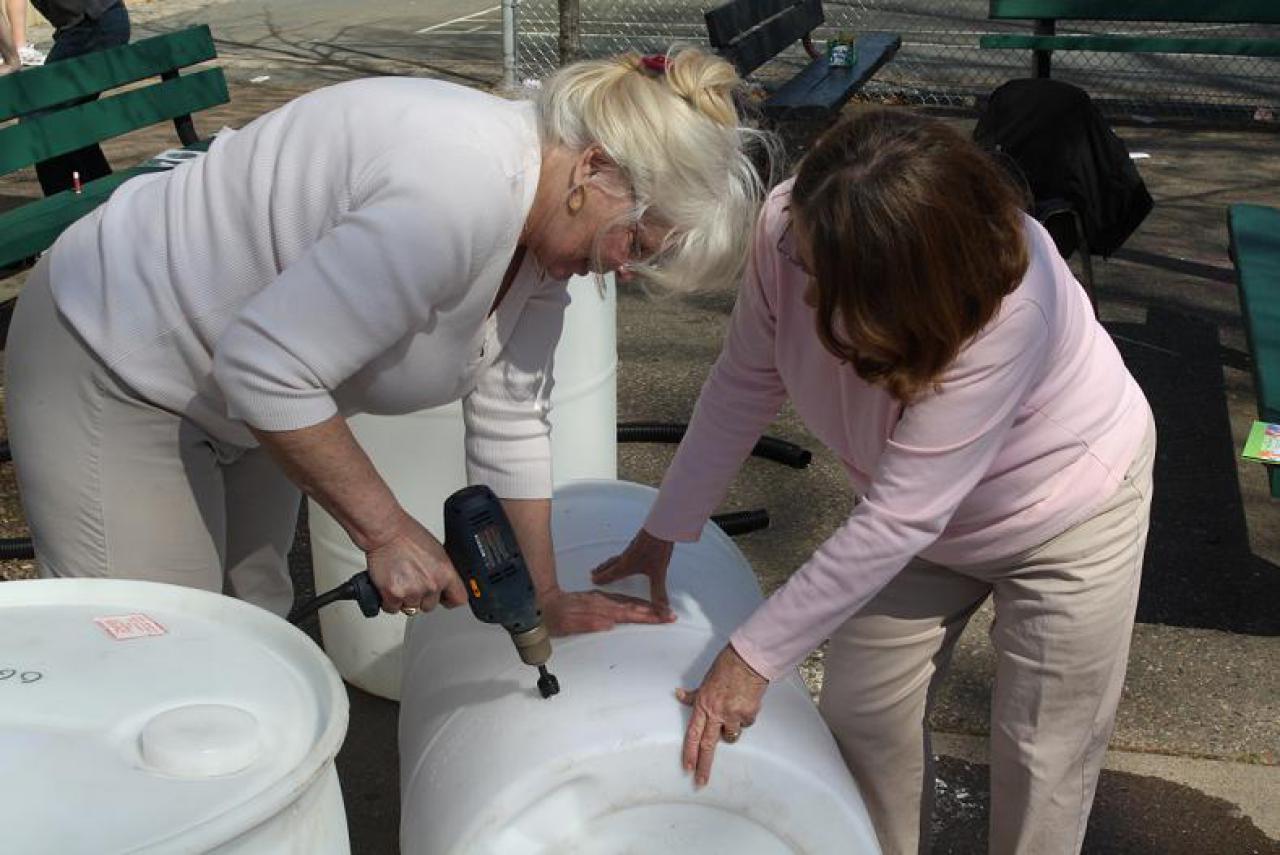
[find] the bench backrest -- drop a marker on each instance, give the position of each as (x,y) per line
(1197,11)
(749,33)
(62,129)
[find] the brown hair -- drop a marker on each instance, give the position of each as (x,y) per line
(914,236)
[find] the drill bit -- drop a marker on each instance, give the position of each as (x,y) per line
(548,685)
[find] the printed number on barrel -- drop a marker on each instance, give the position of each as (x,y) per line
(24,676)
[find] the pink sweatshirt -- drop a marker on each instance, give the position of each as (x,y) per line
(1034,425)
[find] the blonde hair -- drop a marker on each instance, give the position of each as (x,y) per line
(675,133)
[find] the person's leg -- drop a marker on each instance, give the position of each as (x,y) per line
(110,30)
(16,12)
(9,59)
(111,486)
(881,670)
(262,516)
(1064,617)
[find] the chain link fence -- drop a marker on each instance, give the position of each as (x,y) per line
(940,62)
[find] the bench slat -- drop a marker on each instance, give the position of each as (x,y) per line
(820,88)
(34,227)
(1213,12)
(60,82)
(752,49)
(726,23)
(66,130)
(1136,44)
(1255,248)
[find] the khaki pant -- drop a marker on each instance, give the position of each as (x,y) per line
(116,487)
(1064,616)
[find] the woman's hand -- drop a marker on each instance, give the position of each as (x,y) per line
(645,555)
(727,701)
(569,612)
(411,570)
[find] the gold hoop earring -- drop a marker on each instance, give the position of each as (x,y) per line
(577,197)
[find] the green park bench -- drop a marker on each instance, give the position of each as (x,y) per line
(1255,249)
(43,113)
(51,122)
(1046,13)
(749,33)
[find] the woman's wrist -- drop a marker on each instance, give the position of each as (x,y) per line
(645,538)
(745,664)
(392,525)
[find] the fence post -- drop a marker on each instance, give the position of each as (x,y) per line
(509,43)
(570,37)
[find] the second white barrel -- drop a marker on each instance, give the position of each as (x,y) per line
(421,457)
(490,768)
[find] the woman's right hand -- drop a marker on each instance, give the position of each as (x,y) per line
(647,555)
(411,570)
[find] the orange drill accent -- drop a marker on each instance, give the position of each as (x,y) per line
(475,589)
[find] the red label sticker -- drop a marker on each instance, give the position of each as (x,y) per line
(122,627)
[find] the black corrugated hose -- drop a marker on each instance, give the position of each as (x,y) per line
(13,548)
(767,448)
(734,523)
(16,548)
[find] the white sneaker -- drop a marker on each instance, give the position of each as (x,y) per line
(30,55)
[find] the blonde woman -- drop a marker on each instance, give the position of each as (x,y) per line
(183,361)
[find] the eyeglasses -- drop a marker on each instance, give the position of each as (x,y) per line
(787,248)
(636,254)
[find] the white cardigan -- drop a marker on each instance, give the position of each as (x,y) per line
(337,255)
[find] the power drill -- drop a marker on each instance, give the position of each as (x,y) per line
(484,550)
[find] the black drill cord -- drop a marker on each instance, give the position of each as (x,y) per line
(305,609)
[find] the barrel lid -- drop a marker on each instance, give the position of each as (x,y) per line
(139,716)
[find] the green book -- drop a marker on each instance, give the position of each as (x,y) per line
(1263,444)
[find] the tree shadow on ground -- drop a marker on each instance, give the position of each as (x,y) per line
(1132,815)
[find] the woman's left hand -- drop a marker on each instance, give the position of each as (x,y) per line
(727,701)
(570,612)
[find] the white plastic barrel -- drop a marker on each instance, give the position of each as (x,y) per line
(488,767)
(140,717)
(421,457)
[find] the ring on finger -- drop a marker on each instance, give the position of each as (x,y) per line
(409,610)
(730,736)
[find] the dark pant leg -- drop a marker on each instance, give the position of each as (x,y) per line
(109,30)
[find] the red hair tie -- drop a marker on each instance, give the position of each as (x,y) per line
(655,62)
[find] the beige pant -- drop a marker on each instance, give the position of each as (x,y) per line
(116,487)
(1064,616)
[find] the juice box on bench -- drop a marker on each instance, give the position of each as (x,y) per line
(842,51)
(1263,444)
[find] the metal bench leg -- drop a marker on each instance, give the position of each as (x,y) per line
(1040,58)
(1086,262)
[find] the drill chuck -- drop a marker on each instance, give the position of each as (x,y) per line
(533,645)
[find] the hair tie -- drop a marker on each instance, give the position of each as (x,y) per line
(655,62)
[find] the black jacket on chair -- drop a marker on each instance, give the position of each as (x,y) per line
(1066,150)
